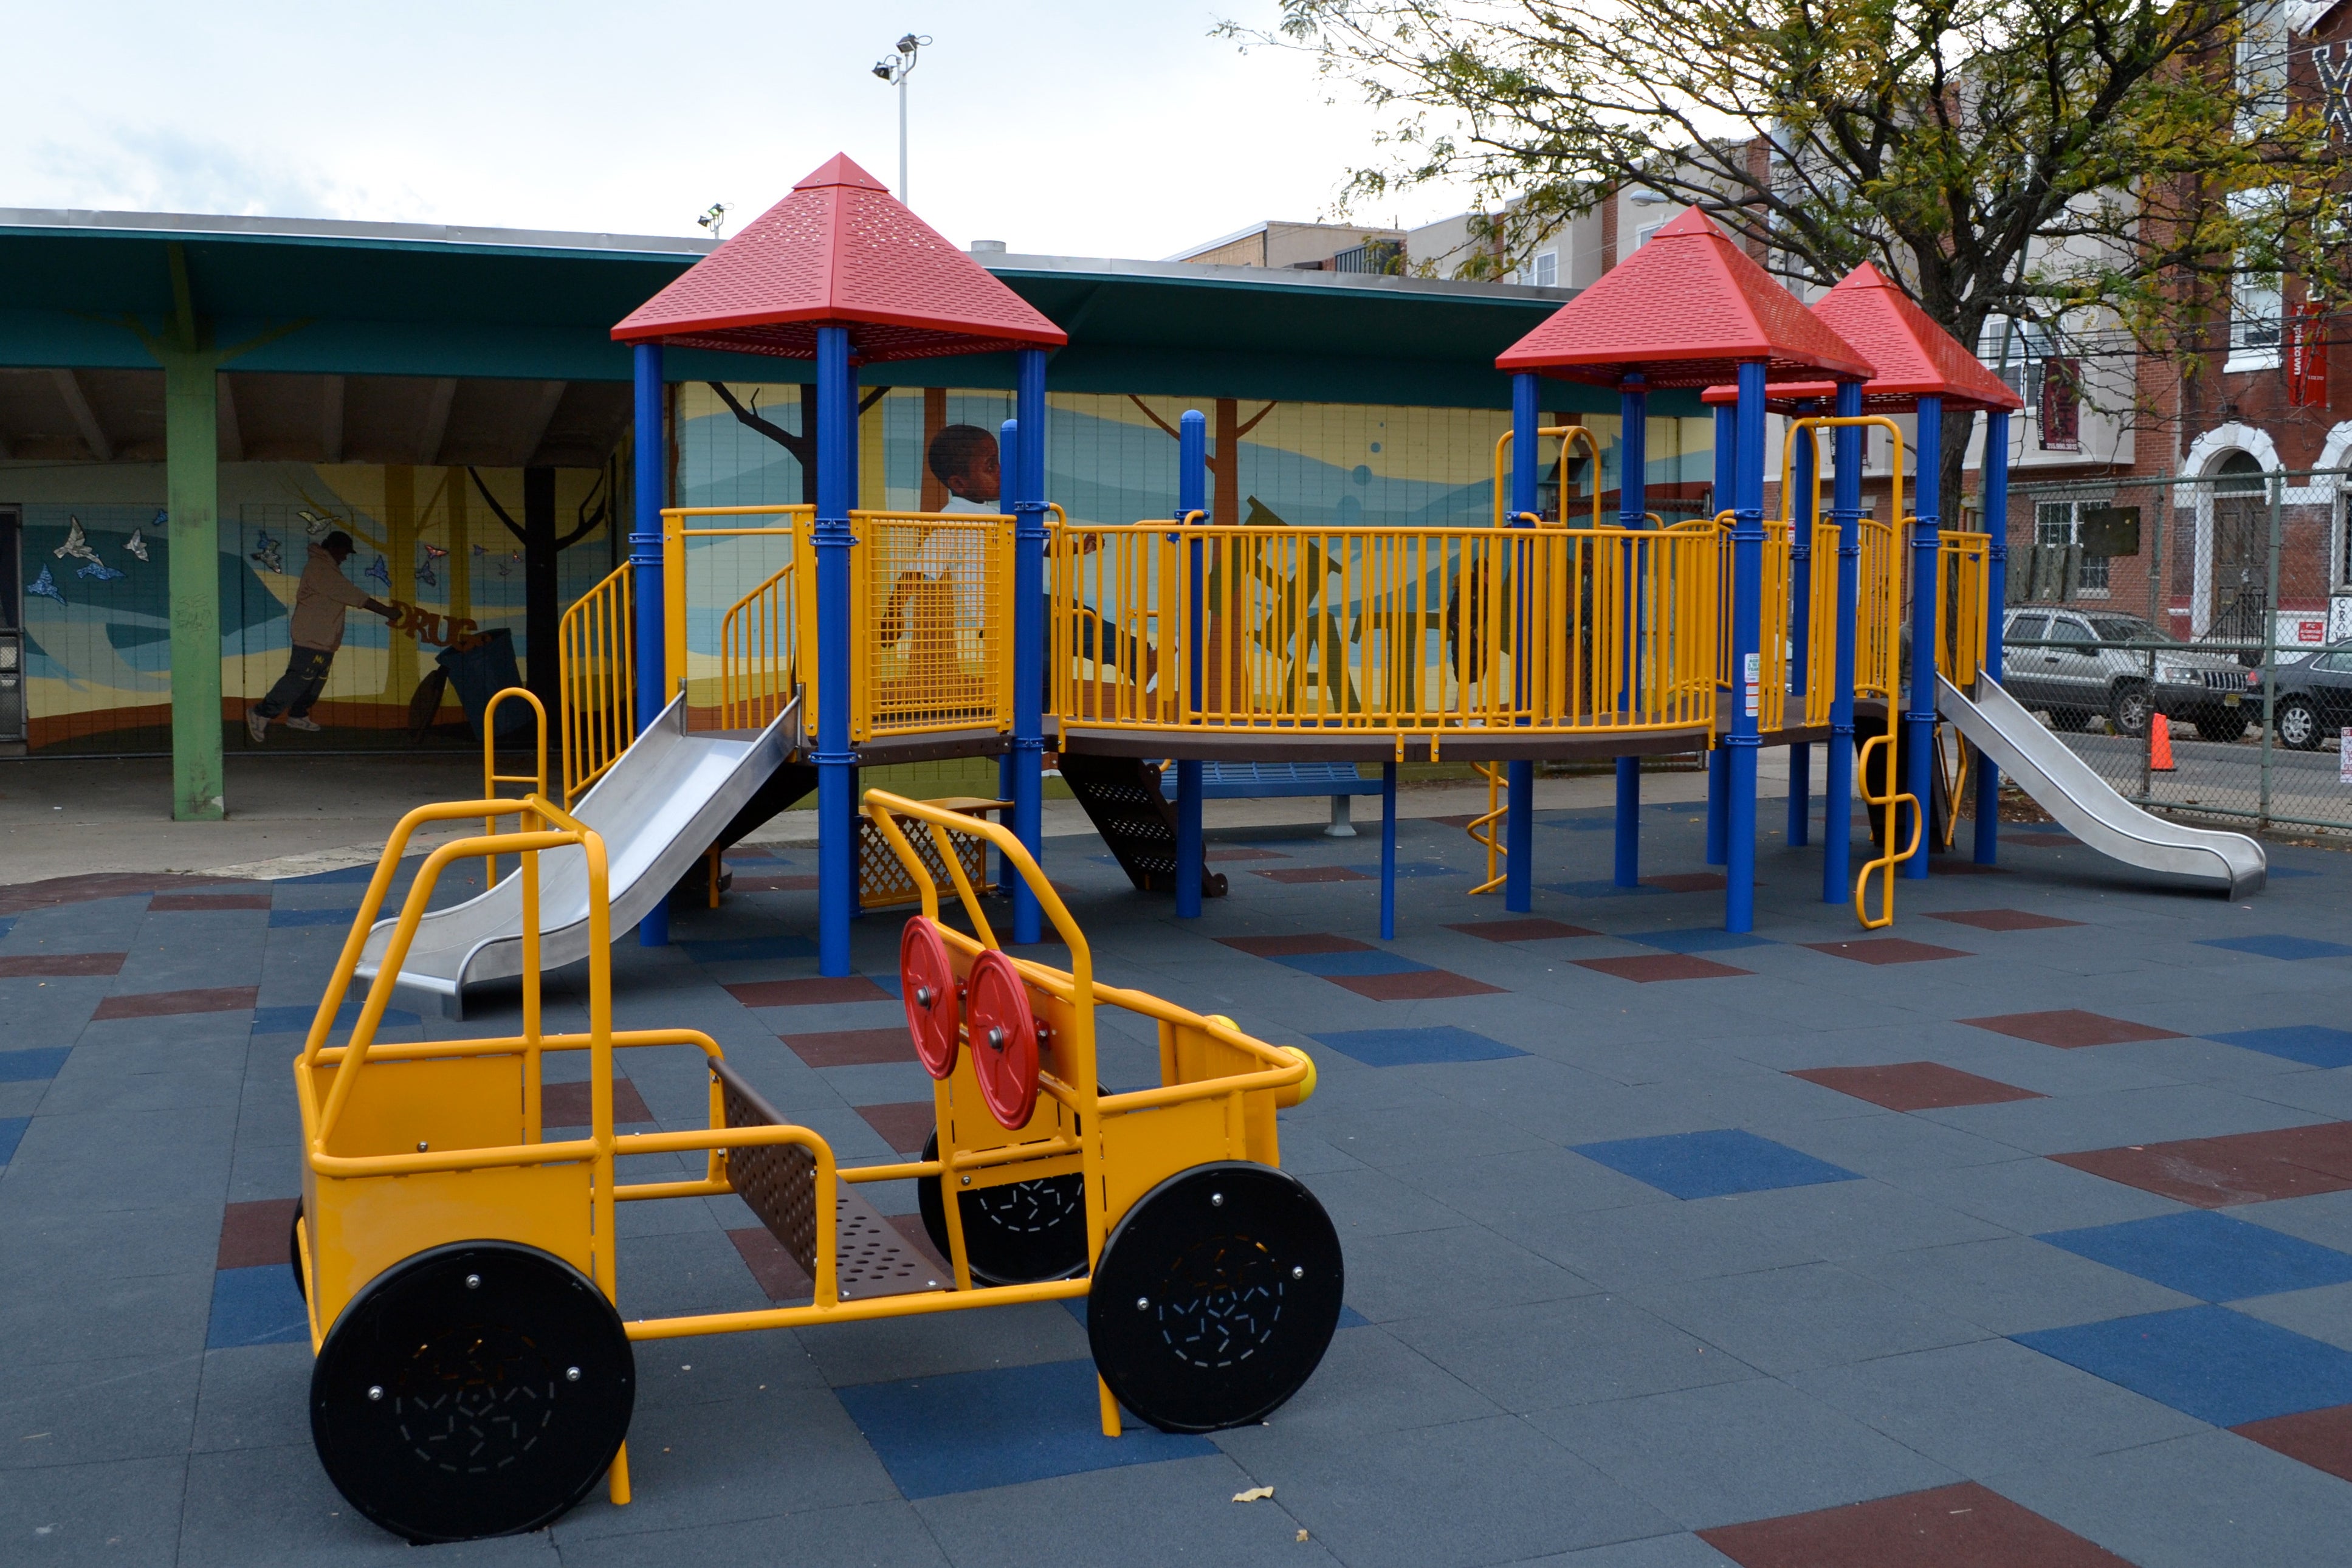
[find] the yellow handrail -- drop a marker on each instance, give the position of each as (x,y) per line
(1569,434)
(596,681)
(759,648)
(1892,800)
(492,778)
(1492,821)
(1963,560)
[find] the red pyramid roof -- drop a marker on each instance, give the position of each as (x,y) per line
(839,251)
(1683,310)
(1915,357)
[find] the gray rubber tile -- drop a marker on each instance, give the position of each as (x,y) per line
(2325,1217)
(2324,1313)
(1678,1551)
(76,1413)
(861,1535)
(1467,1267)
(1789,1320)
(1567,1352)
(895,1348)
(1624,1248)
(255,1396)
(1369,1380)
(115,1511)
(2013,1285)
(272,1506)
(1179,1511)
(2032,1197)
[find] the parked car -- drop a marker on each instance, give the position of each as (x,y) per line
(2315,696)
(2076,663)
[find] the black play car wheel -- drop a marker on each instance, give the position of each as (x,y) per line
(1015,1234)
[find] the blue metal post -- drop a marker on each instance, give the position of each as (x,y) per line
(645,567)
(1029,636)
(1191,496)
(1837,792)
(1388,851)
(1800,627)
(1632,511)
(1520,825)
(1996,522)
(1926,542)
(1008,466)
(1746,632)
(1718,761)
(836,764)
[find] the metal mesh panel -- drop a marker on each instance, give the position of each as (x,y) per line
(937,615)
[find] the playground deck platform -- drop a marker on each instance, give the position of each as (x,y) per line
(2027,1232)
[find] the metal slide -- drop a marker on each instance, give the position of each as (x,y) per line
(2068,788)
(664,803)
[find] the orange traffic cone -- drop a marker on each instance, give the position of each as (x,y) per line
(2159,744)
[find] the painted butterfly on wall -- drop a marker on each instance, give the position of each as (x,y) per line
(76,543)
(46,587)
(376,572)
(138,544)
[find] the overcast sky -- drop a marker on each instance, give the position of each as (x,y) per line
(1058,127)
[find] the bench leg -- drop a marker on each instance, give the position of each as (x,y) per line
(1341,827)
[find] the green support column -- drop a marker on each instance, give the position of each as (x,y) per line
(192,486)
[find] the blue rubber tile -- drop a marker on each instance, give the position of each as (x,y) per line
(295,1019)
(2208,1361)
(2278,946)
(1413,1047)
(258,1306)
(1713,1165)
(1598,887)
(965,1431)
(2278,870)
(1331,965)
(750,949)
(2313,1045)
(8,924)
(359,874)
(12,1129)
(1696,939)
(2209,1254)
(28,1067)
(279,919)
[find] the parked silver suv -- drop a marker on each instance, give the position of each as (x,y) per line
(2076,663)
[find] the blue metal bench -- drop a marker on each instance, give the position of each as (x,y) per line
(1259,781)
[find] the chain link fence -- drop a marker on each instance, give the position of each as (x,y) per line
(2191,638)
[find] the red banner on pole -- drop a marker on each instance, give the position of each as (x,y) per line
(2306,355)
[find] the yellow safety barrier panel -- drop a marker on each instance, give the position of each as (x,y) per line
(472,1375)
(931,638)
(1963,571)
(1391,632)
(596,681)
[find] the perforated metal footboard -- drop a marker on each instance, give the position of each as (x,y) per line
(778,1182)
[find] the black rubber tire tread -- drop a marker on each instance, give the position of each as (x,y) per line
(1013,1234)
(480,1429)
(2222,725)
(294,1252)
(1259,1273)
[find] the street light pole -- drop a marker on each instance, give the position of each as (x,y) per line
(895,70)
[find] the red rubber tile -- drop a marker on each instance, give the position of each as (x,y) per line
(772,883)
(171,1004)
(770,1265)
(1651,967)
(2244,1168)
(1221,857)
(24,965)
(17,898)
(1417,986)
(904,1126)
(1534,930)
(852,1048)
(1915,1086)
(1945,866)
(1292,874)
(1689,882)
(1886,950)
(188,903)
(2070,1028)
(566,1104)
(808,993)
(253,1234)
(2043,840)
(1963,1526)
(2320,1438)
(2002,920)
(1292,946)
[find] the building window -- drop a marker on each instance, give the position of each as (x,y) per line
(2061,405)
(2257,302)
(2261,54)
(1647,232)
(2060,522)
(1547,269)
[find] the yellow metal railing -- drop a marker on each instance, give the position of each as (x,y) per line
(703,674)
(1487,830)
(1962,574)
(1568,435)
(931,635)
(758,652)
(492,778)
(1386,631)
(596,682)
(1878,612)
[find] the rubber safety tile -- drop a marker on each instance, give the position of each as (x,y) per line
(256,1306)
(1697,939)
(1334,965)
(2210,1363)
(2280,946)
(50,965)
(963,1432)
(1293,874)
(1713,1165)
(12,1131)
(258,1234)
(1414,1047)
(2208,1254)
(1887,950)
(1407,870)
(774,882)
(287,920)
(174,1004)
(2313,1045)
(2002,920)
(2320,1438)
(1598,887)
(1963,1526)
(566,1104)
(851,1047)
(295,1019)
(1915,1086)
(812,992)
(1292,945)
(2070,1028)
(195,903)
(1414,986)
(2243,1168)
(904,1125)
(31,1067)
(1649,968)
(748,949)
(1535,929)
(1228,856)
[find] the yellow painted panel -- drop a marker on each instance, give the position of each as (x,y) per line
(450,1102)
(361,1226)
(1147,1147)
